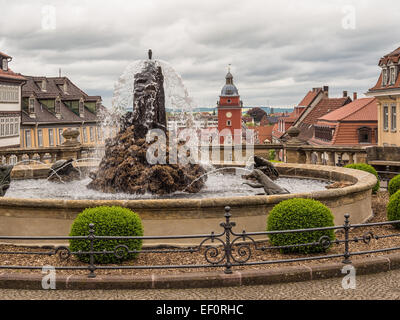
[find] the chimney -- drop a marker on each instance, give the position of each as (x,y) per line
(326,91)
(354,96)
(344,94)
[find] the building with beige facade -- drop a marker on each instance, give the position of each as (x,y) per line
(10,103)
(387,92)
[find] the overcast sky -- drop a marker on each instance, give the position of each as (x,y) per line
(278,49)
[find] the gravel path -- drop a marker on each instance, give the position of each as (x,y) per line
(382,286)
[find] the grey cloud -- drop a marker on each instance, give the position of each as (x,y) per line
(278,50)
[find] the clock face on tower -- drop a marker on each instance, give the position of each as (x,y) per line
(228,114)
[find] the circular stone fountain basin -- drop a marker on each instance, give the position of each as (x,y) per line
(202,214)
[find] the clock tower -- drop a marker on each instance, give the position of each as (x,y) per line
(230,111)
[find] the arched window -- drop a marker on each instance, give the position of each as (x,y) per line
(364,135)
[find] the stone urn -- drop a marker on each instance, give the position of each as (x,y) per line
(71,138)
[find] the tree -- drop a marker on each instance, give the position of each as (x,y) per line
(257,114)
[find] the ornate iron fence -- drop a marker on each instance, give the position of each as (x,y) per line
(226,250)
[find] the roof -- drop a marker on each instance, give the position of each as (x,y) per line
(54,89)
(229,90)
(310,96)
(10,75)
(323,107)
(364,109)
(394,57)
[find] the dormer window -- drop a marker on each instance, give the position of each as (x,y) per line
(81,107)
(5,65)
(44,85)
(58,105)
(384,77)
(392,75)
(31,105)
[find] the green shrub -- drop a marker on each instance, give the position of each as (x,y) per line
(108,221)
(394,185)
(271,155)
(367,168)
(393,208)
(300,214)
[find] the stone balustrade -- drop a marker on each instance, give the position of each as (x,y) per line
(290,153)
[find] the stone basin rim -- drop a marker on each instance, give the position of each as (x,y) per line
(362,182)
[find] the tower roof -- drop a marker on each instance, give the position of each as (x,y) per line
(229,89)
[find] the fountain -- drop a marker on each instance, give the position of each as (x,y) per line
(125,168)
(170,198)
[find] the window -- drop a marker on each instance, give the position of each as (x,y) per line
(51,137)
(81,106)
(9,94)
(229,123)
(91,134)
(9,126)
(31,105)
(40,138)
(79,137)
(5,65)
(60,132)
(385,117)
(85,140)
(393,118)
(392,75)
(58,106)
(28,141)
(384,77)
(364,135)
(229,101)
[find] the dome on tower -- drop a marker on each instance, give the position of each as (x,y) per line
(229,88)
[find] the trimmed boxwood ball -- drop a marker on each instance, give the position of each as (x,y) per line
(368,168)
(393,208)
(300,214)
(394,185)
(108,221)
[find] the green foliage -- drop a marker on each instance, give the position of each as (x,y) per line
(300,214)
(394,185)
(271,155)
(108,221)
(393,208)
(367,168)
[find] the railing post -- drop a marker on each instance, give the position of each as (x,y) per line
(91,237)
(346,239)
(228,246)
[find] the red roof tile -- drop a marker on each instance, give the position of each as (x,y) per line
(9,74)
(323,107)
(358,110)
(310,96)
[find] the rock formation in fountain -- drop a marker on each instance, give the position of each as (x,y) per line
(5,178)
(265,182)
(63,171)
(124,167)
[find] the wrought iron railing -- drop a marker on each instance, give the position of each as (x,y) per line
(226,250)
